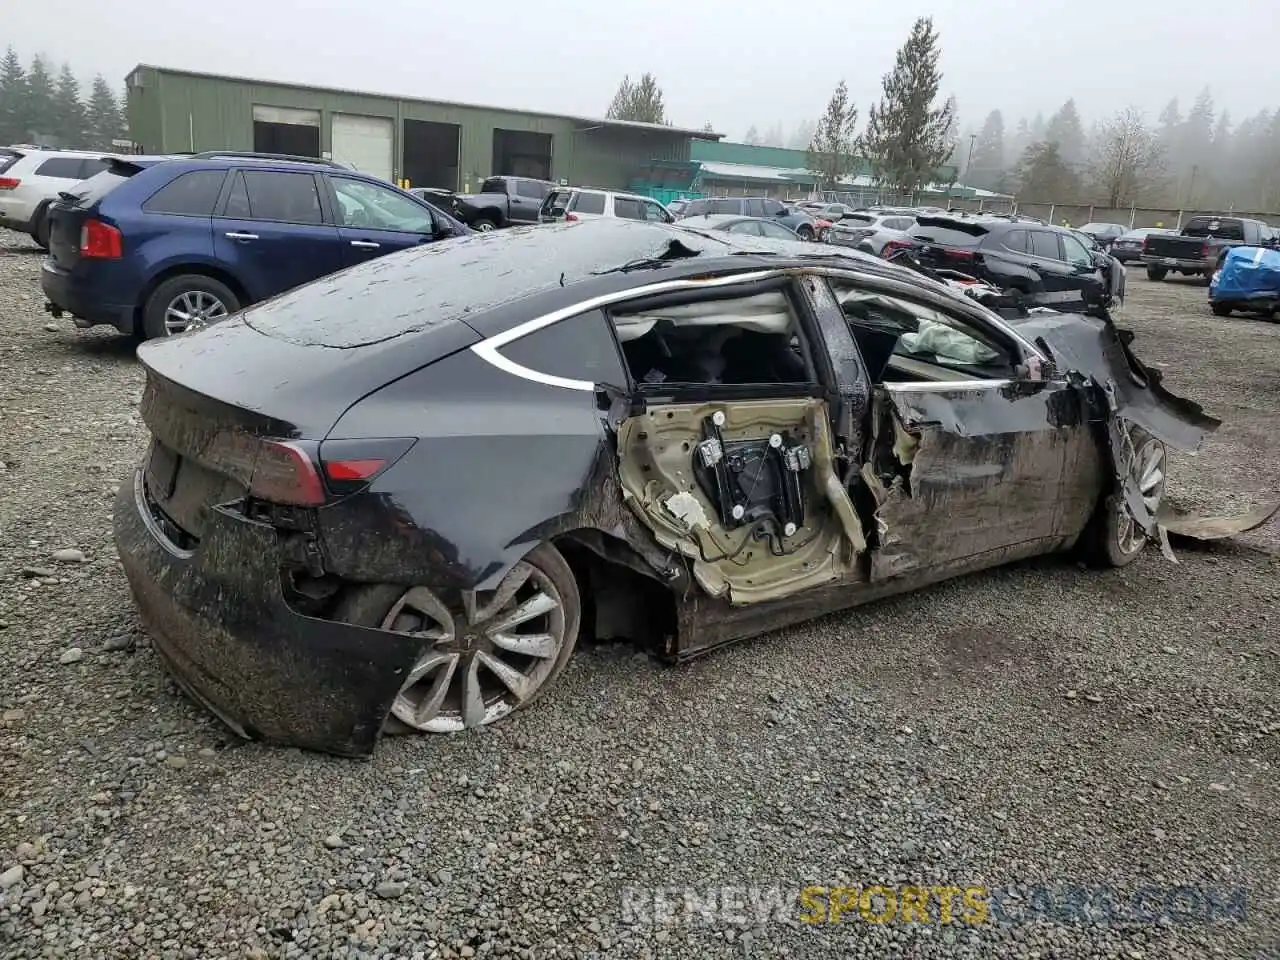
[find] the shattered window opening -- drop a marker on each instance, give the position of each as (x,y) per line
(752,339)
(904,341)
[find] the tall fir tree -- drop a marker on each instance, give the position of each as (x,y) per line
(831,152)
(70,119)
(40,101)
(105,123)
(640,101)
(15,105)
(988,154)
(1066,130)
(906,138)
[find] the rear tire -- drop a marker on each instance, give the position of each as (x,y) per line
(40,228)
(203,299)
(1220,309)
(804,232)
(462,634)
(1156,274)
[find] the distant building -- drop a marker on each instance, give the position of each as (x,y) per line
(429,143)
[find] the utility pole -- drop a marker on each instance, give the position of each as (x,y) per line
(968,164)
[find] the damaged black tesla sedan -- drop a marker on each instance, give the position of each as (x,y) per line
(396,497)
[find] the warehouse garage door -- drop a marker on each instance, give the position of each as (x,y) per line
(285,130)
(364,142)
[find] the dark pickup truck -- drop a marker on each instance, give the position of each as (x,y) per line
(502,202)
(1199,249)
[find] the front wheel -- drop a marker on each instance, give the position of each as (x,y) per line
(186,302)
(1156,274)
(1114,538)
(804,232)
(485,655)
(483,225)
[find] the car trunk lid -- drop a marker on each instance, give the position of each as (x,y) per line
(948,244)
(222,400)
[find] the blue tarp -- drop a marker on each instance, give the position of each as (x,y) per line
(1249,273)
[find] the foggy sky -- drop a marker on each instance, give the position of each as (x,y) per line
(734,63)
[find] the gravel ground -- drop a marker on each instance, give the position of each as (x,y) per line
(1038,725)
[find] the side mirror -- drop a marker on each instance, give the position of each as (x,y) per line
(441,230)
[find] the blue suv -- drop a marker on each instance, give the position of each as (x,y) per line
(154,245)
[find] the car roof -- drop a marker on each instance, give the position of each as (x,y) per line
(495,281)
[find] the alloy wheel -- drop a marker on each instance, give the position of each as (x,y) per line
(487,658)
(191,310)
(1147,470)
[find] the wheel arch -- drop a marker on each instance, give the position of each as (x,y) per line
(622,596)
(198,269)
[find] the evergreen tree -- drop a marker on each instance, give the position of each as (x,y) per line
(71,120)
(640,101)
(40,101)
(988,154)
(15,107)
(831,150)
(1066,130)
(105,123)
(752,137)
(774,137)
(1044,177)
(906,136)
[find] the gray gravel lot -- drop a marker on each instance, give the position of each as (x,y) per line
(1041,724)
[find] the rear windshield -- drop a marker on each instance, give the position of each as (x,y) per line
(495,185)
(8,158)
(857,219)
(586,202)
(1212,227)
(89,192)
(452,281)
(945,236)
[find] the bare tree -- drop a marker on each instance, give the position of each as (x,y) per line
(1127,159)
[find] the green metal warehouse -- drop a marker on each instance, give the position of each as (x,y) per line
(429,143)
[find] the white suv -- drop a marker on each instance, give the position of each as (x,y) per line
(31,178)
(587,203)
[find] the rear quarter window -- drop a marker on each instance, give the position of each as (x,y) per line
(7,159)
(579,348)
(192,194)
(61,168)
(585,201)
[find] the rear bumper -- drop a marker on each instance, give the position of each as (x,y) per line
(1196,265)
(1124,255)
(218,619)
(65,293)
(14,220)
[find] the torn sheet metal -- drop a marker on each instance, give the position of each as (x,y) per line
(1183,523)
(1096,351)
(1093,352)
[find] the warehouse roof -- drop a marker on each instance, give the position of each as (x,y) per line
(594,121)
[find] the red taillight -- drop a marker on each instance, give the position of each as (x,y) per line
(284,473)
(9,183)
(893,246)
(100,241)
(349,465)
(956,254)
(571,218)
(1145,242)
(344,471)
(1206,251)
